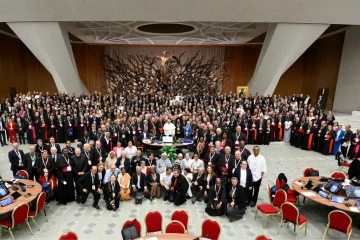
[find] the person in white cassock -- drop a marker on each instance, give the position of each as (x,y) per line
(169,128)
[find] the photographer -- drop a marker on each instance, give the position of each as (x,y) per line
(112,194)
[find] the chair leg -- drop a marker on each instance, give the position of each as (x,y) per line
(280,225)
(50,207)
(326,230)
(256,213)
(305,228)
(349,235)
(43,213)
(266,218)
(37,226)
(12,236)
(297,234)
(27,222)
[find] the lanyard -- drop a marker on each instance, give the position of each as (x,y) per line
(66,159)
(217,192)
(227,158)
(98,151)
(233,193)
(44,162)
(87,156)
(211,156)
(237,163)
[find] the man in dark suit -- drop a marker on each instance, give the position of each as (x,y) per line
(89,183)
(106,142)
(320,102)
(211,158)
(85,139)
(138,183)
(144,135)
(53,144)
(248,184)
(98,154)
(237,137)
(2,132)
(179,187)
(197,188)
(135,161)
(226,161)
(29,163)
(346,139)
(16,158)
(79,167)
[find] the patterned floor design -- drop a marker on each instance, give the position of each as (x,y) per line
(92,224)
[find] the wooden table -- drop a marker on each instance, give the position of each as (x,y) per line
(166,144)
(34,191)
(316,198)
(171,236)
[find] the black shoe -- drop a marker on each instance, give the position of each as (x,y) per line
(64,203)
(253,204)
(200,199)
(165,198)
(171,199)
(78,201)
(96,206)
(5,144)
(248,203)
(193,200)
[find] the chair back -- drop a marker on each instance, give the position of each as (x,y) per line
(153,222)
(175,227)
(181,216)
(280,198)
(338,174)
(68,236)
(290,212)
(40,202)
(269,193)
(306,171)
(20,214)
(210,229)
(136,224)
(263,237)
(340,221)
(23,173)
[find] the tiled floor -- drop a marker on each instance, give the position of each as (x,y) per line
(90,223)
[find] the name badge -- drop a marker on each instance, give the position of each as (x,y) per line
(52,126)
(300,127)
(68,168)
(89,162)
(69,125)
(45,170)
(216,199)
(30,126)
(208,186)
(81,125)
(115,135)
(226,165)
(236,142)
(134,132)
(123,136)
(100,158)
(178,129)
(93,187)
(356,140)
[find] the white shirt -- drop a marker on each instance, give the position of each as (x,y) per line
(306,100)
(118,152)
(143,170)
(197,164)
(166,178)
(187,163)
(169,129)
(243,176)
(130,152)
(257,165)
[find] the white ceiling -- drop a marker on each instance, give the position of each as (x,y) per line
(205,33)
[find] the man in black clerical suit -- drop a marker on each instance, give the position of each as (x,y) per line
(197,188)
(179,187)
(237,137)
(138,183)
(29,163)
(89,183)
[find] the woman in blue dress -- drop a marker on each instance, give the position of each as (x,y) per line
(339,135)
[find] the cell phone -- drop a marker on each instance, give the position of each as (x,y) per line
(6,202)
(23,188)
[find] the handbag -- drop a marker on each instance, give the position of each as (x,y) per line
(70,132)
(130,232)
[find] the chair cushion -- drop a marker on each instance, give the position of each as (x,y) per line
(6,222)
(32,213)
(267,209)
(302,219)
(341,230)
(291,198)
(345,164)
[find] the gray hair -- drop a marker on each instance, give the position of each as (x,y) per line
(234,178)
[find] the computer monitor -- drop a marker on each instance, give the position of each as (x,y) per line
(333,187)
(352,191)
(168,139)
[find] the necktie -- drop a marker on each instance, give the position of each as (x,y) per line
(93,179)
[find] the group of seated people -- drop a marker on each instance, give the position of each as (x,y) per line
(125,174)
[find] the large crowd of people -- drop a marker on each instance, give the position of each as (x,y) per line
(221,171)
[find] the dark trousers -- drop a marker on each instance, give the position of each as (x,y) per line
(96,195)
(116,201)
(2,138)
(256,188)
(33,174)
(196,192)
(134,193)
(167,193)
(21,137)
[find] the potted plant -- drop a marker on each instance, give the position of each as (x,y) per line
(170,152)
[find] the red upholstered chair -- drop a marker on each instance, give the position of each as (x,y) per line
(141,145)
(52,187)
(338,174)
(181,216)
(19,215)
(210,229)
(153,222)
(175,227)
(272,209)
(40,202)
(290,213)
(290,192)
(23,173)
(343,165)
(137,225)
(339,221)
(306,171)
(263,237)
(68,236)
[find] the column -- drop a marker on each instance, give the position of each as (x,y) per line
(49,42)
(347,95)
(284,44)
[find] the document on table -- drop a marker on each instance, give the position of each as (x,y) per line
(354,209)
(298,183)
(309,194)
